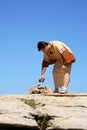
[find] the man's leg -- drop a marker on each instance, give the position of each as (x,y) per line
(66,79)
(56,80)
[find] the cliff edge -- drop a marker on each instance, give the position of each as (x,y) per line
(44,111)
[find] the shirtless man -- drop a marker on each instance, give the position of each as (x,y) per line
(59,54)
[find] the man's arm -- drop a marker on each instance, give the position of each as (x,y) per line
(66,53)
(68,57)
(42,77)
(43,70)
(45,64)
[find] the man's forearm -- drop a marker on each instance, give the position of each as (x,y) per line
(43,70)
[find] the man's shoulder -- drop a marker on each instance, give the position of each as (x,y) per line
(56,43)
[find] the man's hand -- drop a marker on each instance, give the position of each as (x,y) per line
(41,78)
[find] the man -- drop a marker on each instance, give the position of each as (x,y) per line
(59,54)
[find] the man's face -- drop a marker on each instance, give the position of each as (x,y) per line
(45,49)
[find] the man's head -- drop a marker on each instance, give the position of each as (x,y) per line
(41,45)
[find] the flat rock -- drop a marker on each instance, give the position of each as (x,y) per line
(60,111)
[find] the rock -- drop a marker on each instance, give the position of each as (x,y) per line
(40,89)
(44,111)
(14,112)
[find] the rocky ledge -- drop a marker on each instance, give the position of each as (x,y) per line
(44,111)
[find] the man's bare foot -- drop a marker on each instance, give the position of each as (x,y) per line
(56,91)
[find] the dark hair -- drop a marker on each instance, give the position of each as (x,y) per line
(41,45)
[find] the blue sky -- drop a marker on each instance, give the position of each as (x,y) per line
(25,22)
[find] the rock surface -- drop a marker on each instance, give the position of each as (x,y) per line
(44,111)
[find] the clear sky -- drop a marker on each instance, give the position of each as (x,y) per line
(25,22)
